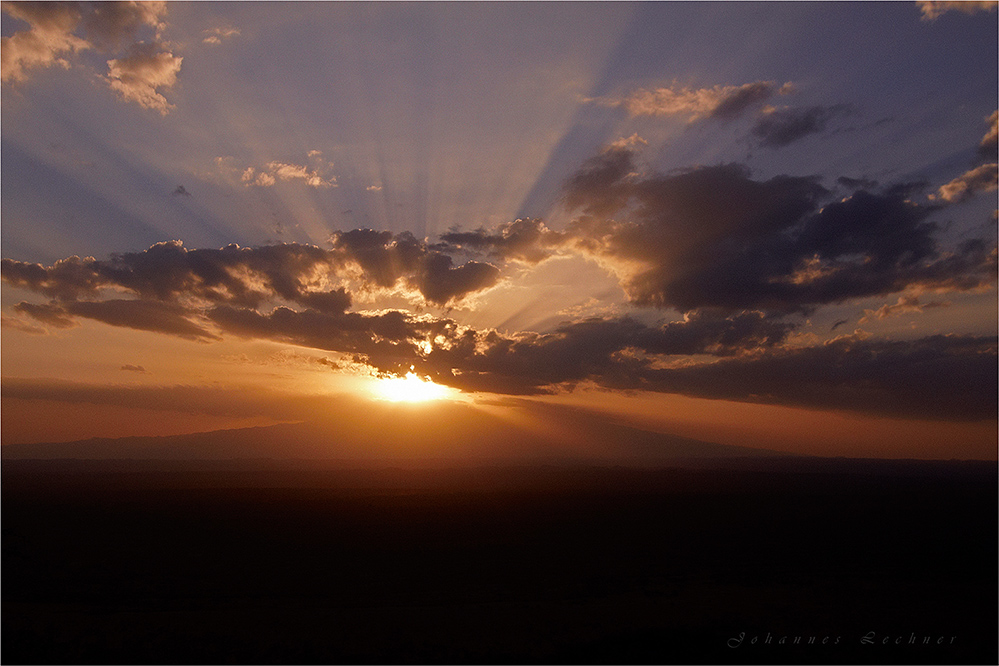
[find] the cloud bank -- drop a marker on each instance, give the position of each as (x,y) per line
(741,259)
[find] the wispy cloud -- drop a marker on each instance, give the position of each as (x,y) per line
(906,304)
(933,9)
(218,35)
(776,128)
(722,102)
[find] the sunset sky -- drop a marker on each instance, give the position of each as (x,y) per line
(761,224)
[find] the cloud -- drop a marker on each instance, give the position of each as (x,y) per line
(49,37)
(596,349)
(23,326)
(305,275)
(283,171)
(142,315)
(143,73)
(633,141)
(714,237)
(741,258)
(905,304)
(181,191)
(525,240)
(47,314)
(59,30)
(169,271)
(982,178)
(183,293)
(319,175)
(386,260)
(218,35)
(109,25)
(932,9)
(721,102)
(441,282)
(990,142)
(941,377)
(134,368)
(388,339)
(776,128)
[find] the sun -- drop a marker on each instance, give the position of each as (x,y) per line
(410,388)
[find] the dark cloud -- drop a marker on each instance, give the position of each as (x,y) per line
(128,367)
(441,282)
(737,101)
(142,315)
(781,127)
(857,183)
(938,377)
(110,25)
(386,259)
(66,279)
(714,237)
(155,316)
(592,349)
(181,191)
(167,271)
(525,240)
(51,315)
(388,340)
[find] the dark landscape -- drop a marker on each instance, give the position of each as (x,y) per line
(264,561)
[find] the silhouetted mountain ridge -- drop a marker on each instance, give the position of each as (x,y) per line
(453,432)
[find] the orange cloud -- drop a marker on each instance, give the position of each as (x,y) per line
(980,179)
(58,30)
(932,9)
(143,73)
(48,39)
(317,174)
(719,101)
(217,35)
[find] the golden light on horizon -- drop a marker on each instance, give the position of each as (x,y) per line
(411,388)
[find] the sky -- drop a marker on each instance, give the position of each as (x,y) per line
(760,224)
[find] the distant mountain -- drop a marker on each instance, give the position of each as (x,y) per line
(448,432)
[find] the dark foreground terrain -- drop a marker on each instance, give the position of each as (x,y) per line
(834,562)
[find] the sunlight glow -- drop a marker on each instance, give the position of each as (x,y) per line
(411,388)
